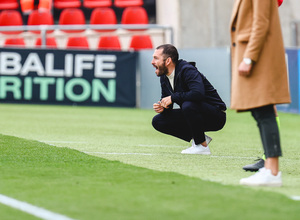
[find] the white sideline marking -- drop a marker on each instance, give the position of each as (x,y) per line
(65,142)
(31,209)
(234,157)
(149,145)
(296,198)
(147,154)
(87,152)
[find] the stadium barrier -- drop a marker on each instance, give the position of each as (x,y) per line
(159,33)
(293,63)
(294,27)
(110,78)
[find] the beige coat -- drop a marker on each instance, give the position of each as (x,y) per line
(256,34)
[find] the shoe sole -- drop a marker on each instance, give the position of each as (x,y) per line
(250,170)
(203,153)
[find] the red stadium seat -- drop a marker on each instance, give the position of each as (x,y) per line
(10,18)
(77,43)
(135,15)
(50,42)
(14,42)
(109,43)
(40,18)
(128,3)
(103,16)
(27,6)
(8,4)
(72,16)
(97,3)
(139,42)
(61,4)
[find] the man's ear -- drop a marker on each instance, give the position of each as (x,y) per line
(168,61)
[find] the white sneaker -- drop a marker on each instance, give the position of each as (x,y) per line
(196,149)
(263,177)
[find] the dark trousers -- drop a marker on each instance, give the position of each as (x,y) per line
(191,121)
(268,128)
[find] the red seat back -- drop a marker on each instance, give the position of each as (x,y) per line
(135,15)
(103,16)
(97,3)
(50,42)
(72,16)
(10,18)
(14,42)
(139,42)
(109,43)
(40,18)
(8,4)
(61,4)
(77,43)
(128,3)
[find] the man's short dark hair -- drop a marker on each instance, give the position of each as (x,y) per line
(169,51)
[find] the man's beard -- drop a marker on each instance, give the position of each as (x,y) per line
(162,70)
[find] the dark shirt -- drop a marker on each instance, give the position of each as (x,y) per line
(190,85)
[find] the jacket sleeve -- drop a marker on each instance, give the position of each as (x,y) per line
(165,92)
(194,87)
(260,28)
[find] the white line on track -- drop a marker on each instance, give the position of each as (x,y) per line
(115,153)
(31,209)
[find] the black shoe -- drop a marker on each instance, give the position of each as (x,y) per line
(256,166)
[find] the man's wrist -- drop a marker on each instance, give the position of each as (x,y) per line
(248,61)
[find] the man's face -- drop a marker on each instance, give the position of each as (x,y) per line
(159,63)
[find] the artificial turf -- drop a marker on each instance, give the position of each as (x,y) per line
(111,164)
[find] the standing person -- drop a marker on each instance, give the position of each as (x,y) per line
(259,77)
(201,108)
(261,161)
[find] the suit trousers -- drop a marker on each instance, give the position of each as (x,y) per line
(190,121)
(268,128)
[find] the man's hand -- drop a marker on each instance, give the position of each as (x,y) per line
(158,108)
(244,69)
(165,102)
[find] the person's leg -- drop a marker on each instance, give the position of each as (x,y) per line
(261,161)
(266,121)
(269,175)
(189,123)
(202,117)
(172,123)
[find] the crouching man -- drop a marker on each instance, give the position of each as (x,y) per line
(201,108)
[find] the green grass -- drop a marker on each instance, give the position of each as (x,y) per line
(146,177)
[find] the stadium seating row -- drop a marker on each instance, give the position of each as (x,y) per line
(61,4)
(69,16)
(74,16)
(111,42)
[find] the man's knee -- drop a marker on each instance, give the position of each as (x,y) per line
(189,107)
(157,122)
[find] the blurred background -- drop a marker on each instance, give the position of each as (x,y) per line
(69,28)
